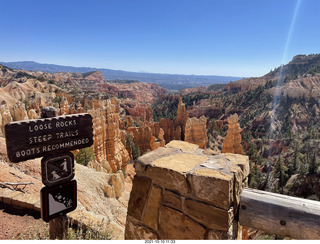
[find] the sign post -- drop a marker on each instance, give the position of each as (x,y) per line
(52,138)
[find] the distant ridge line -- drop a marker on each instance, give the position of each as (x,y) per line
(109,74)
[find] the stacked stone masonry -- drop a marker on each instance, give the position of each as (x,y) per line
(181,193)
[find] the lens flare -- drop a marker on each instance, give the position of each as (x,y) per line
(280,79)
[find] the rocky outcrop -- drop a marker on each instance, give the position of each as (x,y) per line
(94,76)
(110,152)
(246,84)
(148,137)
(196,132)
(117,155)
(18,112)
(170,131)
(180,193)
(6,117)
(99,142)
(8,75)
(308,87)
(30,91)
(139,111)
(182,116)
(184,128)
(141,92)
(232,142)
(32,114)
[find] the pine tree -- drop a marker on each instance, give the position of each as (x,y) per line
(280,172)
(84,156)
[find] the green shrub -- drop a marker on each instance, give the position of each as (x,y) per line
(84,156)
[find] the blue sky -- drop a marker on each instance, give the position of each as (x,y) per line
(226,37)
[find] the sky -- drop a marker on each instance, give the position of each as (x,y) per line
(205,37)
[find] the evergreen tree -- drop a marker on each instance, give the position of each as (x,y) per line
(85,155)
(314,164)
(280,173)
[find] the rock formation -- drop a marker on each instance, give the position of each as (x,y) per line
(138,110)
(18,112)
(32,114)
(182,116)
(184,128)
(99,146)
(196,132)
(6,117)
(117,155)
(232,142)
(170,131)
(148,137)
(141,92)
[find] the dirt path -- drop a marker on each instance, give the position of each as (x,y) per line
(21,224)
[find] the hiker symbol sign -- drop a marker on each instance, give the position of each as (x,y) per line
(57,169)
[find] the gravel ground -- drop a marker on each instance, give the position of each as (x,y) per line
(18,224)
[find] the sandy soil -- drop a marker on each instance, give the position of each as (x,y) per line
(17,224)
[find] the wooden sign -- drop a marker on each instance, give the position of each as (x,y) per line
(58,200)
(57,169)
(30,139)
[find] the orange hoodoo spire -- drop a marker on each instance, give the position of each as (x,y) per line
(232,142)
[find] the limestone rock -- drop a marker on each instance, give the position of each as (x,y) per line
(232,142)
(1,134)
(32,114)
(6,116)
(175,225)
(18,112)
(134,231)
(183,128)
(117,155)
(141,92)
(196,132)
(170,131)
(99,132)
(148,137)
(181,193)
(182,116)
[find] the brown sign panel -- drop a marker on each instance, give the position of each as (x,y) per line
(58,200)
(30,139)
(57,169)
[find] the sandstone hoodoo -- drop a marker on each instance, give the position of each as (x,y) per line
(232,142)
(183,128)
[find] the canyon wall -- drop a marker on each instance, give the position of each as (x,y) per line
(110,132)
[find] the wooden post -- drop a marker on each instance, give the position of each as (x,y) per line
(58,227)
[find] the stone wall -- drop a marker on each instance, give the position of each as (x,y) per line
(180,192)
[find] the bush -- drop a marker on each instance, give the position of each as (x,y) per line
(84,156)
